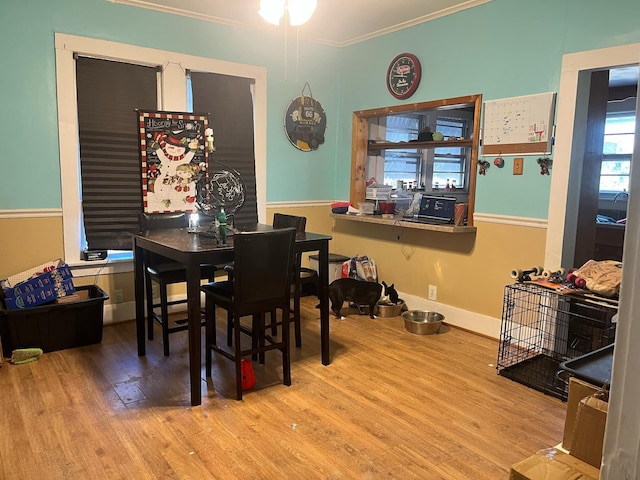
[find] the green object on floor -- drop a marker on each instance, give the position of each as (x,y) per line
(25,355)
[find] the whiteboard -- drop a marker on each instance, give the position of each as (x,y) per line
(519,125)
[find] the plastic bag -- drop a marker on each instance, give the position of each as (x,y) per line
(360,267)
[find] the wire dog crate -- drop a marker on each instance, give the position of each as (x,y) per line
(541,329)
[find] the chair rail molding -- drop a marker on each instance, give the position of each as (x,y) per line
(510,220)
(31,213)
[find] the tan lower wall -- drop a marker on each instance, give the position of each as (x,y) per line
(469,270)
(28,242)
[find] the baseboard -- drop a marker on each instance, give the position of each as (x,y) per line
(471,321)
(124,312)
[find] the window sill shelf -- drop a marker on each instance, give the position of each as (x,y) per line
(375,147)
(399,222)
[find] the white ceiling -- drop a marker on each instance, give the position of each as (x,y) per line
(335,22)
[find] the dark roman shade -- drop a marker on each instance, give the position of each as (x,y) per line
(229,103)
(108,94)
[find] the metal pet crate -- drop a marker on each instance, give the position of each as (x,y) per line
(540,329)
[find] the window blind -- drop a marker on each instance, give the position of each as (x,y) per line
(229,104)
(108,93)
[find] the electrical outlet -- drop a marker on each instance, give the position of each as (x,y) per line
(433,292)
(118,296)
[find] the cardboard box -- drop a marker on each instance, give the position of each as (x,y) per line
(578,389)
(38,296)
(552,464)
(40,288)
(588,432)
(13,280)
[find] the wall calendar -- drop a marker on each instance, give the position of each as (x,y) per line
(519,125)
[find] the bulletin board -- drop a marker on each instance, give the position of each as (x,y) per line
(519,125)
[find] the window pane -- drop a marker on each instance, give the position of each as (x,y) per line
(614,174)
(450,127)
(619,124)
(402,164)
(617,149)
(618,134)
(614,183)
(618,143)
(616,167)
(442,167)
(440,180)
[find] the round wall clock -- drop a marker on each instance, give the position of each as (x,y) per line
(403,75)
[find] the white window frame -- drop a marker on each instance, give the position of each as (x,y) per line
(172,96)
(617,157)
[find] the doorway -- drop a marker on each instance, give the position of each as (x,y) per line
(606,163)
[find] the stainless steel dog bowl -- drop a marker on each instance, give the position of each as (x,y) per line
(422,322)
(385,310)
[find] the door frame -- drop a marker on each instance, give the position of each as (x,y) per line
(620,456)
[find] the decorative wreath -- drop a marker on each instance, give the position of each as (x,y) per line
(545,165)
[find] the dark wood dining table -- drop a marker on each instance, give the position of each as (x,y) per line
(194,249)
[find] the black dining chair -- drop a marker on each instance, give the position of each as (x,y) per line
(260,283)
(301,275)
(165,272)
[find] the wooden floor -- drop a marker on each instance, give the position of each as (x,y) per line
(391,405)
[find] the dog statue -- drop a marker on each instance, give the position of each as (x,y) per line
(356,291)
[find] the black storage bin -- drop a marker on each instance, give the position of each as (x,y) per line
(55,326)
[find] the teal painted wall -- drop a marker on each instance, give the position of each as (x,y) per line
(500,49)
(29,162)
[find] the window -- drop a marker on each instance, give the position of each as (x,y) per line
(227,99)
(108,93)
(449,163)
(402,165)
(617,151)
(171,95)
(435,168)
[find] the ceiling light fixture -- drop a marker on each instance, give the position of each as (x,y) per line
(299,11)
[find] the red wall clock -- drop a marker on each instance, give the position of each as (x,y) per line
(403,75)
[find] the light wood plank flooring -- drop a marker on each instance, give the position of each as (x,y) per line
(391,405)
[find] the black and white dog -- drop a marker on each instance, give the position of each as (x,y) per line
(360,293)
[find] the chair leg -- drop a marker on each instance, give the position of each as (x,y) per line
(148,286)
(238,357)
(210,333)
(229,329)
(274,319)
(164,312)
(259,327)
(286,349)
(296,311)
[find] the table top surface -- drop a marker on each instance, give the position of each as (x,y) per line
(184,241)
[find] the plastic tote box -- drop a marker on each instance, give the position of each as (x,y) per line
(75,322)
(335,264)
